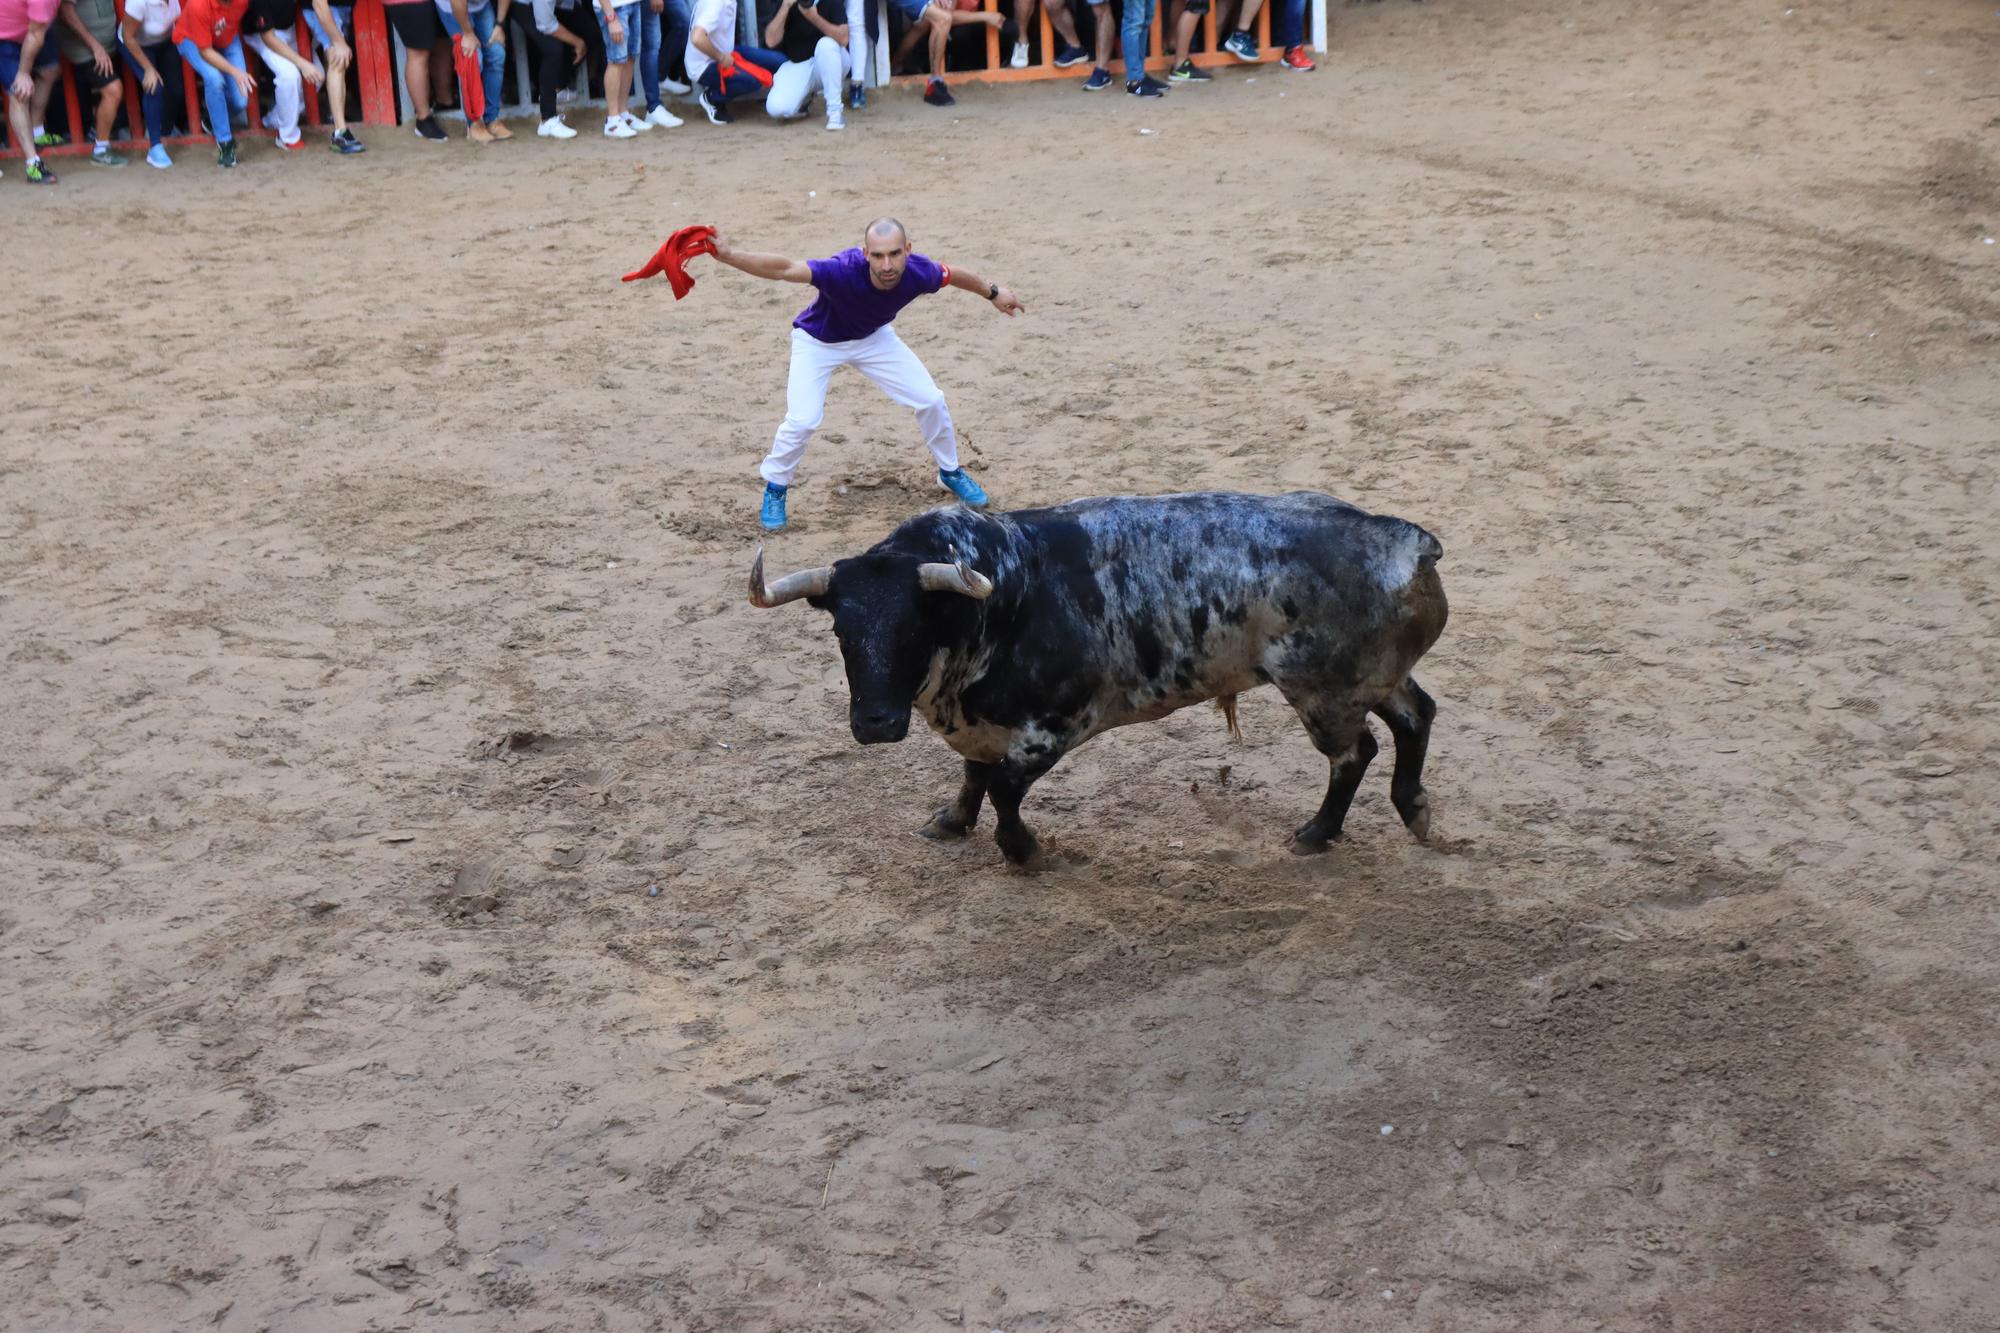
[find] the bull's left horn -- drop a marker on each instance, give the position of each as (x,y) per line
(954,578)
(805,583)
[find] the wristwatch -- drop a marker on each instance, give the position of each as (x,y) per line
(992,291)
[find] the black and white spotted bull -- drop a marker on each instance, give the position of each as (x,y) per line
(1019,636)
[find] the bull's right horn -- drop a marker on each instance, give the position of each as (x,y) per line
(805,583)
(960,578)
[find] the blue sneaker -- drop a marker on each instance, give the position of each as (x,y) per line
(961,484)
(156,156)
(772,515)
(1099,78)
(1067,55)
(858,98)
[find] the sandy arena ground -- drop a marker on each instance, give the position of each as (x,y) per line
(374,636)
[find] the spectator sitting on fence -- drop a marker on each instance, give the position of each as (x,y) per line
(556,39)
(1242,43)
(472,24)
(89,28)
(1069,51)
(209,37)
(812,37)
(28,68)
(416,22)
(268,29)
(145,35)
(332,28)
(935,19)
(720,72)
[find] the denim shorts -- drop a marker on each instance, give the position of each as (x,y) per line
(343,18)
(10,58)
(617,53)
(911,9)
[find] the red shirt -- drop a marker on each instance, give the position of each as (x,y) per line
(210,24)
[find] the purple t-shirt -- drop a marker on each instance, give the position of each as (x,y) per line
(851,306)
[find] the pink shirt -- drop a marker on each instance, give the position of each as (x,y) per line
(16,15)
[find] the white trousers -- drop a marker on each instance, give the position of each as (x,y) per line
(290,86)
(796,80)
(882,357)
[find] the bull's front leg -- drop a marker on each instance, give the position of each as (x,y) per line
(956,820)
(1017,842)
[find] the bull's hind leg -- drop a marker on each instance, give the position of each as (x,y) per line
(1409,711)
(1340,732)
(956,820)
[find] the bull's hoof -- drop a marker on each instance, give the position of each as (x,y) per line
(1021,850)
(1310,846)
(943,828)
(1419,822)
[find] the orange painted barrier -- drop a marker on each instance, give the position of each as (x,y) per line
(998,71)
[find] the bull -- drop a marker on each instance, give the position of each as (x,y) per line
(1021,635)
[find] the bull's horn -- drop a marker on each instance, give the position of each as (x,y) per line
(805,583)
(954,578)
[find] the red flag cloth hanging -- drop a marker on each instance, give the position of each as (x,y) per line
(758,74)
(471,83)
(671,258)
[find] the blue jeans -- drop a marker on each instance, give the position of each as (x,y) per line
(649,54)
(492,56)
(1289,28)
(1132,37)
(218,89)
(674,25)
(155,105)
(742,85)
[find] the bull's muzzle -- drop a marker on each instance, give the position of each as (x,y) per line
(879,726)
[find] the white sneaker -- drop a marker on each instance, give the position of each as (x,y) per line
(616,128)
(836,119)
(674,87)
(1020,60)
(636,125)
(553,128)
(664,118)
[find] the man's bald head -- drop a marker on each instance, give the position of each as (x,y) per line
(888,229)
(886,244)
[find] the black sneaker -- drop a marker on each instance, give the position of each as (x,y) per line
(1099,78)
(225,154)
(939,95)
(1185,72)
(1067,55)
(345,142)
(1241,45)
(718,114)
(1147,87)
(427,128)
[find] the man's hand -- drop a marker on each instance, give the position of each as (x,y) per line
(150,81)
(244,83)
(722,250)
(658,6)
(499,37)
(468,45)
(311,73)
(339,54)
(100,60)
(22,87)
(1004,302)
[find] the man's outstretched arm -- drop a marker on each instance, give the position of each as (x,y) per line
(1002,299)
(775,267)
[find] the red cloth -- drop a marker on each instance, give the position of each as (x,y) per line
(758,74)
(672,258)
(471,86)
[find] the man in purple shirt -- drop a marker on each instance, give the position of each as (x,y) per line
(848,324)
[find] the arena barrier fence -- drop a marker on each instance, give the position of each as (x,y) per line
(378,69)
